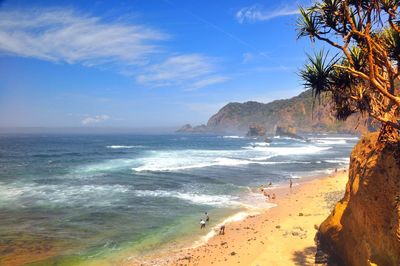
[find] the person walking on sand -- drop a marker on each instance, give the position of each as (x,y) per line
(290,183)
(207,217)
(222,230)
(202,224)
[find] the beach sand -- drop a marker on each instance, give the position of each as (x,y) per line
(283,235)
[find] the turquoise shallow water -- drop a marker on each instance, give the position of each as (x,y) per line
(77,198)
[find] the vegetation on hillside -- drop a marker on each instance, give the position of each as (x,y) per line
(362,76)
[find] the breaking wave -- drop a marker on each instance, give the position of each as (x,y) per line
(195,198)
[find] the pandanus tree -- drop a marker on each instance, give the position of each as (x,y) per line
(362,76)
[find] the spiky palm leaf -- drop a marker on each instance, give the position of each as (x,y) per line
(317,73)
(307,23)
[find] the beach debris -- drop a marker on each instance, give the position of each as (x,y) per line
(301,214)
(299,231)
(185,258)
(233,253)
(278,226)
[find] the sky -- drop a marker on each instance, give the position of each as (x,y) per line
(143,64)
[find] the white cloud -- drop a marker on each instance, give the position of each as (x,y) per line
(94,119)
(64,35)
(247,57)
(258,13)
(190,71)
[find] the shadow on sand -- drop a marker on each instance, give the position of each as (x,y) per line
(305,257)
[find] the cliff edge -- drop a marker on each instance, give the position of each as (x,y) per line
(364,227)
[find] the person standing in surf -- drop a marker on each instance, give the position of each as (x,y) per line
(222,230)
(202,224)
(207,217)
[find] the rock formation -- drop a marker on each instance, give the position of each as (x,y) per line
(297,112)
(288,131)
(189,129)
(364,227)
(256,130)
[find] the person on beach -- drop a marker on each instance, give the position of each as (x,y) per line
(266,195)
(202,224)
(207,217)
(290,183)
(273,196)
(222,230)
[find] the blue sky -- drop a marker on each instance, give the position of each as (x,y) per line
(141,64)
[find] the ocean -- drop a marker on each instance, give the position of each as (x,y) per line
(74,199)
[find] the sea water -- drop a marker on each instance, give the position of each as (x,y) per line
(79,198)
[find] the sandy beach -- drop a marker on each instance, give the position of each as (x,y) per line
(283,235)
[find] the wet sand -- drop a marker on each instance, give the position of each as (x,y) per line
(283,235)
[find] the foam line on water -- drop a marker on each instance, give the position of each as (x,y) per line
(194,198)
(335,138)
(124,146)
(344,160)
(190,159)
(330,141)
(233,137)
(62,195)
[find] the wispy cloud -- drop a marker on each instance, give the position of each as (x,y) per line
(65,35)
(190,71)
(247,57)
(258,13)
(94,119)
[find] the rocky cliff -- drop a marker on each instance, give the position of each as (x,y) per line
(364,227)
(296,112)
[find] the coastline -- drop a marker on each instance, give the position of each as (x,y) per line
(281,235)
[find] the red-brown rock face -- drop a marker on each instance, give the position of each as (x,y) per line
(364,227)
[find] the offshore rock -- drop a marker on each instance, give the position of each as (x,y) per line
(256,130)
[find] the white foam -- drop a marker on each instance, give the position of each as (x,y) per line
(257,144)
(190,159)
(175,160)
(344,160)
(330,142)
(63,195)
(108,165)
(295,176)
(233,137)
(195,198)
(336,138)
(124,146)
(310,149)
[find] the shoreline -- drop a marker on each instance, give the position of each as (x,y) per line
(281,235)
